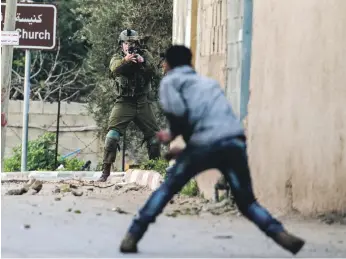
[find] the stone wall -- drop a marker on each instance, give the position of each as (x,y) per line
(77,128)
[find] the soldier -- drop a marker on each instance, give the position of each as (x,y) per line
(132,71)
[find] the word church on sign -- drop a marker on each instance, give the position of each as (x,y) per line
(34,35)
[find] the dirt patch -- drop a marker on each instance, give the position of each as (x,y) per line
(125,198)
(333,218)
(182,205)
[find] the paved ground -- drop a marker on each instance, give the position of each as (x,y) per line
(54,231)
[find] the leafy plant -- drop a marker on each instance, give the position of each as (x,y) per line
(72,164)
(41,156)
(190,189)
(160,165)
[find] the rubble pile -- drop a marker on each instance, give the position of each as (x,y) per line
(120,193)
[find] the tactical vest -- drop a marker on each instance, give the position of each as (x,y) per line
(136,83)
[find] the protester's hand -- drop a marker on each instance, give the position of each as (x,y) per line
(140,59)
(130,57)
(173,153)
(164,136)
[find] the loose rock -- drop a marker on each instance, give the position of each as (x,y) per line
(223,237)
(172,214)
(56,189)
(37,186)
(20,191)
(32,192)
(77,193)
(120,211)
(131,187)
(26,226)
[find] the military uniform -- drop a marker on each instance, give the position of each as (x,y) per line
(132,83)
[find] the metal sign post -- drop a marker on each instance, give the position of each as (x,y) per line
(36,26)
(26,111)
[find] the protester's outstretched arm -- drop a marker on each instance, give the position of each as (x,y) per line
(172,106)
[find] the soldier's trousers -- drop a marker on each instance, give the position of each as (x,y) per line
(136,109)
(229,156)
(139,110)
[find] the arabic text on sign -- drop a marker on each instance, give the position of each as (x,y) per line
(29,20)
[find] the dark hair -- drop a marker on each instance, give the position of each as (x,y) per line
(178,55)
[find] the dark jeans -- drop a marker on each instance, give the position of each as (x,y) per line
(230,157)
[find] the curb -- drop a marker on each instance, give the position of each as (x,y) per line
(148,178)
(57,175)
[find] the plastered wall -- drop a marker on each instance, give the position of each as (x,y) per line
(297,114)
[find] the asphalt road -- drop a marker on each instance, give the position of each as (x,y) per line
(53,231)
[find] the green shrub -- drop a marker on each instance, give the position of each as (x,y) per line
(190,189)
(41,156)
(72,164)
(160,165)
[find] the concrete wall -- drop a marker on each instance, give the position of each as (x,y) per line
(211,39)
(297,114)
(77,128)
(217,54)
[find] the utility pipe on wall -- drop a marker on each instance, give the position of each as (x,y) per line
(246,58)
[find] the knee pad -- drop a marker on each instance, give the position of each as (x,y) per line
(113,134)
(112,140)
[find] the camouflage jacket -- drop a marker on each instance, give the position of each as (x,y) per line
(132,79)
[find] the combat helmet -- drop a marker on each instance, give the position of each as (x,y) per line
(128,35)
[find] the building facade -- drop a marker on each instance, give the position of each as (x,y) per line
(296,124)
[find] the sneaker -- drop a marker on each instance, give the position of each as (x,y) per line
(289,242)
(129,244)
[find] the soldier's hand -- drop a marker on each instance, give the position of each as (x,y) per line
(140,59)
(130,57)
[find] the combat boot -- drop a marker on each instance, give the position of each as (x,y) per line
(105,173)
(288,241)
(129,244)
(154,148)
